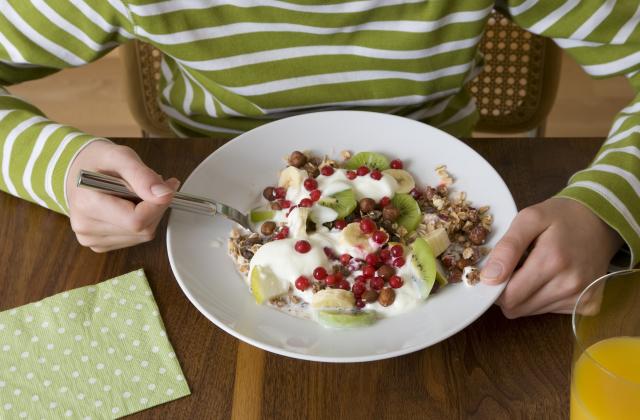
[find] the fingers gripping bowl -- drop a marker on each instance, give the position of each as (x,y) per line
(237,174)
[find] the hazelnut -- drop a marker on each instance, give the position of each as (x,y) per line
(367,205)
(455,275)
(297,159)
(387,296)
(267,228)
(478,235)
(386,271)
(269,193)
(442,190)
(390,213)
(370,296)
(276,206)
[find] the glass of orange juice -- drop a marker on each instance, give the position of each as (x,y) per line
(605,380)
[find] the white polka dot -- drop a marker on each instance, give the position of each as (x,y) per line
(154,313)
(115,281)
(2,327)
(128,357)
(151,387)
(17,332)
(61,330)
(106,296)
(28,318)
(80,396)
(41,360)
(55,368)
(75,373)
(169,391)
(106,388)
(93,343)
(23,415)
(162,371)
(132,287)
(86,323)
(144,363)
(53,405)
(122,301)
(135,379)
(136,343)
(179,378)
(147,293)
(24,354)
(126,394)
(155,349)
(84,358)
(92,381)
(65,295)
(2,384)
(162,333)
(113,314)
(111,350)
(46,382)
(8,406)
(45,324)
(87,418)
(80,302)
(128,322)
(143,400)
(50,346)
(97,309)
(56,309)
(63,389)
(17,391)
(38,304)
(91,289)
(35,339)
(77,337)
(146,328)
(122,336)
(13,312)
(100,366)
(13,369)
(6,347)
(66,352)
(98,403)
(138,306)
(114,410)
(35,398)
(104,330)
(68,413)
(72,315)
(29,376)
(171,355)
(139,273)
(117,372)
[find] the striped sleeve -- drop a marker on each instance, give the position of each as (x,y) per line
(604,38)
(38,38)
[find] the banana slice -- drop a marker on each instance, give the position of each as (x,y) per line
(438,240)
(291,177)
(352,236)
(333,298)
(297,222)
(404,179)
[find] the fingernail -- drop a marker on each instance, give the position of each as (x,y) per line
(160,190)
(491,271)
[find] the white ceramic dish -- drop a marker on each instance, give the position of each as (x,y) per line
(236,174)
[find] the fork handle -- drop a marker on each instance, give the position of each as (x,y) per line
(119,188)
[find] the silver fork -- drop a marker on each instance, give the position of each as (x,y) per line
(181,201)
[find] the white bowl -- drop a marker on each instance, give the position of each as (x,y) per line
(237,172)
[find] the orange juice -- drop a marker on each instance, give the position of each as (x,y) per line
(613,393)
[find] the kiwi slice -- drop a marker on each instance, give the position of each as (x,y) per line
(261,215)
(371,160)
(410,214)
(343,203)
(341,319)
(441,274)
(424,262)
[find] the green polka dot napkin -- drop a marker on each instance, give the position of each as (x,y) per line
(97,352)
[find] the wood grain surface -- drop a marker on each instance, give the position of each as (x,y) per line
(494,369)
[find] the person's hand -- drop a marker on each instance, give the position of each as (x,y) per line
(569,247)
(103,222)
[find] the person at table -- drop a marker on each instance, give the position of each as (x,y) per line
(232,65)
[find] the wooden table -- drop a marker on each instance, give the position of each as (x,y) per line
(494,369)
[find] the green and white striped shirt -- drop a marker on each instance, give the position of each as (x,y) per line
(231,65)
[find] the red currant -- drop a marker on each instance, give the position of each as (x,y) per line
(302,246)
(344,285)
(351,175)
(315,195)
(372,260)
(397,251)
(358,288)
(362,171)
(310,184)
(280,192)
(380,237)
(385,201)
(395,282)
(368,271)
(376,174)
(415,193)
(360,303)
(398,262)
(345,258)
(384,254)
(396,164)
(302,283)
(282,233)
(306,202)
(285,204)
(367,225)
(377,283)
(361,279)
(327,170)
(329,253)
(340,224)
(320,273)
(331,280)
